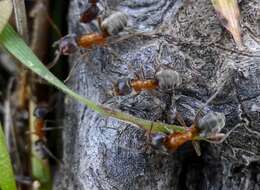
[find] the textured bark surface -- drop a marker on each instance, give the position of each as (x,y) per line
(103,153)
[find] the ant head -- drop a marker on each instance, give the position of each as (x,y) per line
(157,141)
(122,87)
(168,79)
(41,112)
(67,44)
(211,123)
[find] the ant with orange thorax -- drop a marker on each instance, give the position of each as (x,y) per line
(206,128)
(165,79)
(39,142)
(109,26)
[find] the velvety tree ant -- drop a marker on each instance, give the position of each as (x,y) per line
(40,114)
(164,79)
(207,128)
(111,25)
(39,144)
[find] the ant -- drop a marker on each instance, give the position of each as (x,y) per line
(207,128)
(111,25)
(40,113)
(164,79)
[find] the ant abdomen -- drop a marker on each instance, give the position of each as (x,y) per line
(38,147)
(114,23)
(211,123)
(168,79)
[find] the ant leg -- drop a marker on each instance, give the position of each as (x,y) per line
(55,60)
(139,75)
(150,131)
(196,147)
(115,54)
(142,72)
(180,119)
(158,56)
(41,151)
(103,30)
(195,144)
(71,72)
(135,73)
(74,67)
(148,138)
(51,155)
(210,100)
(222,136)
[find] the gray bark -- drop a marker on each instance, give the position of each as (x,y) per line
(103,153)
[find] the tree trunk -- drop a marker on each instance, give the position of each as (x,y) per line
(103,153)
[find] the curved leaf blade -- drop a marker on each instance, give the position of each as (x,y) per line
(7,180)
(16,46)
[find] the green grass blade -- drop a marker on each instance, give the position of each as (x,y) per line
(16,46)
(7,180)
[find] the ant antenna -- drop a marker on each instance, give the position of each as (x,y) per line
(210,100)
(75,66)
(223,138)
(51,155)
(55,60)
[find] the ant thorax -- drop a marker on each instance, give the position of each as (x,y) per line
(114,23)
(211,123)
(168,79)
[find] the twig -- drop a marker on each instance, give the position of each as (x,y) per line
(21,19)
